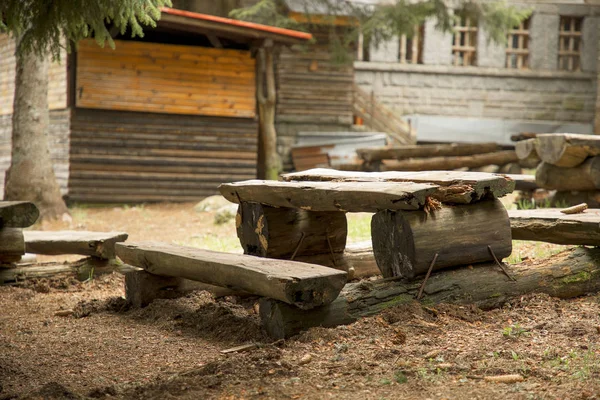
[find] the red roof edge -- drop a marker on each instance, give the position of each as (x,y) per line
(235,22)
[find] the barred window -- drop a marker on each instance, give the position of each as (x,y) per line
(410,49)
(569,43)
(464,41)
(517,48)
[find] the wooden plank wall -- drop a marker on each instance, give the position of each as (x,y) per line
(175,79)
(120,157)
(58,132)
(57,78)
(314,92)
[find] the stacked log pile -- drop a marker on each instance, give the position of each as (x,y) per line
(14,216)
(489,157)
(567,163)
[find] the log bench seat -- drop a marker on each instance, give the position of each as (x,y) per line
(417,214)
(95,244)
(300,284)
(552,226)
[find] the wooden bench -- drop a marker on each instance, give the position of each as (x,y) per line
(95,244)
(552,226)
(303,218)
(303,285)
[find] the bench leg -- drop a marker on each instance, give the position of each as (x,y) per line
(142,287)
(288,233)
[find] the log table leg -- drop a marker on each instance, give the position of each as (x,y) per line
(405,242)
(293,234)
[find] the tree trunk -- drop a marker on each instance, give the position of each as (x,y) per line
(405,243)
(31,175)
(585,176)
(552,226)
(448,163)
(569,274)
(433,150)
(265,82)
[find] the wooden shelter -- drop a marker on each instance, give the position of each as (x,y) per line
(166,117)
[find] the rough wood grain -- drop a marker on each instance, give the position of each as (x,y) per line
(566,149)
(433,150)
(18,214)
(527,154)
(454,186)
(97,244)
(12,245)
(404,243)
(585,176)
(303,285)
(449,163)
(331,196)
(552,226)
(284,233)
(569,274)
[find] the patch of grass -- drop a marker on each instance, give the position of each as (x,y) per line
(400,377)
(210,241)
(514,331)
(359,226)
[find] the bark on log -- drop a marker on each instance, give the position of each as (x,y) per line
(552,226)
(572,273)
(566,149)
(304,285)
(434,150)
(286,232)
(97,244)
(404,243)
(12,244)
(528,156)
(585,176)
(449,163)
(17,214)
(331,196)
(454,187)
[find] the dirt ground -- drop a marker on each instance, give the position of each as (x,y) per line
(68,339)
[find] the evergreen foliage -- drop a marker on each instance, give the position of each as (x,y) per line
(43,25)
(384,21)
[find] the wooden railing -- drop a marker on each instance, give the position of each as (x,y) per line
(380,118)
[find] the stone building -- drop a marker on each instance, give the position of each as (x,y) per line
(460,86)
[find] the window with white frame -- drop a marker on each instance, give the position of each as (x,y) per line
(517,46)
(569,43)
